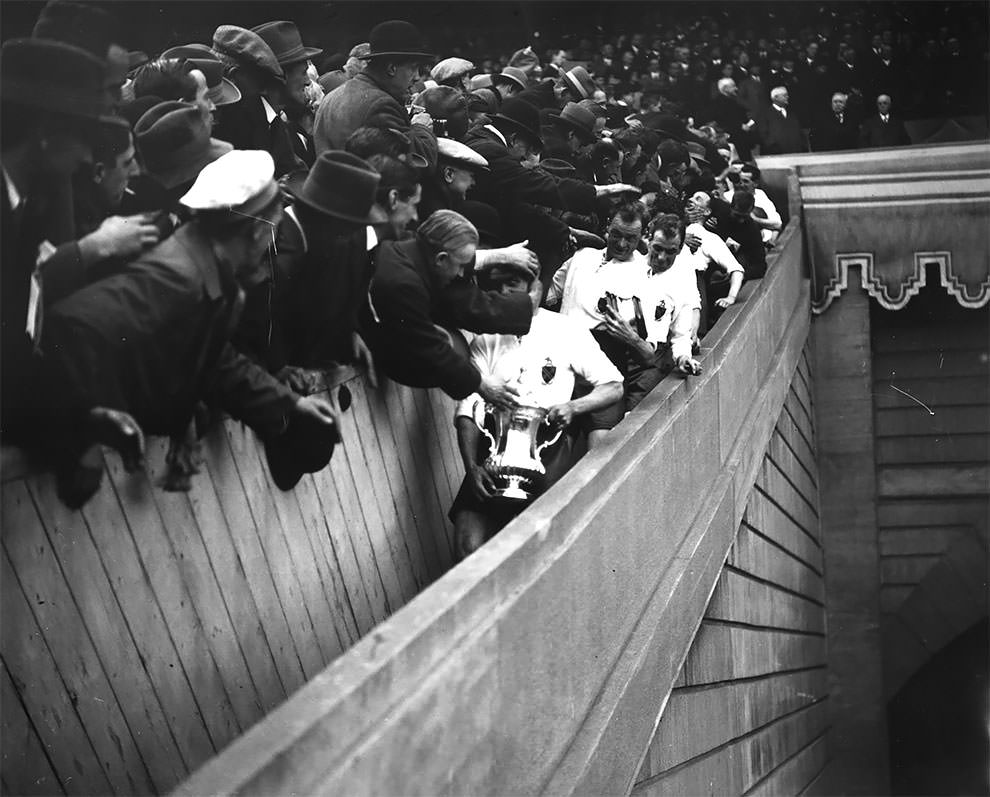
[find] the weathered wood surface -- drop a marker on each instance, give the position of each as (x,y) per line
(543,662)
(143,634)
(748,709)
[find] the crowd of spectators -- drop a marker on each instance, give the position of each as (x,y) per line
(202,231)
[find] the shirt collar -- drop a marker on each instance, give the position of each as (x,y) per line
(270,113)
(290,211)
(13,195)
(498,133)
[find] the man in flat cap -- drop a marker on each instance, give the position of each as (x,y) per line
(153,340)
(454,72)
(254,122)
(377,96)
(449,183)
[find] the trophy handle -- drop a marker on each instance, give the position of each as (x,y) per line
(550,442)
(481,425)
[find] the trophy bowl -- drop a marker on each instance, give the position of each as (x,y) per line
(514,459)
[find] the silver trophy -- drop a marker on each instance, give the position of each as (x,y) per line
(514,456)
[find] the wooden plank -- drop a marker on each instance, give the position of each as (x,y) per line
(160,564)
(433,477)
(724,652)
(414,465)
(303,562)
(753,554)
(800,387)
(916,421)
(739,598)
(229,490)
(803,425)
(355,536)
(782,456)
(958,510)
(57,612)
(268,526)
(948,363)
(737,767)
(325,558)
(900,540)
(443,407)
(905,569)
(936,480)
(409,505)
(929,450)
(27,770)
(795,774)
(247,618)
(195,568)
(44,694)
(381,521)
(798,446)
(446,483)
(768,519)
(84,573)
(776,485)
(719,714)
(935,391)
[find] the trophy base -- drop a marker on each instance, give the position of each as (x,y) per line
(513,489)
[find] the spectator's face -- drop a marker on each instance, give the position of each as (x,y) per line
(876,41)
(202,99)
(838,104)
(730,89)
(113,177)
(781,98)
(403,212)
(451,264)
(622,239)
(296,79)
(886,52)
(608,51)
(746,181)
(883,103)
(664,250)
(697,208)
(459,181)
(404,76)
(627,58)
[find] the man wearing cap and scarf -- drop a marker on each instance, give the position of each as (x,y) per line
(254,122)
(294,57)
(543,366)
(447,186)
(306,314)
(377,96)
(153,340)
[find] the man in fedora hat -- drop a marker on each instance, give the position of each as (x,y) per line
(306,314)
(52,97)
(254,122)
(218,90)
(510,82)
(544,366)
(377,96)
(153,340)
(175,145)
(294,57)
(571,136)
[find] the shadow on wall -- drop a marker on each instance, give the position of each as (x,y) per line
(938,722)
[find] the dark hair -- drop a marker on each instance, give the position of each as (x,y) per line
(604,150)
(111,142)
(627,139)
(670,225)
(395,175)
(167,78)
(367,141)
(629,213)
(753,169)
(492,278)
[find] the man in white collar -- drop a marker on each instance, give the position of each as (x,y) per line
(607,293)
(883,129)
(543,366)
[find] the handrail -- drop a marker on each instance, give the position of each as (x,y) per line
(524,668)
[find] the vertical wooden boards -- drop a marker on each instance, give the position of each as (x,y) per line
(748,710)
(145,632)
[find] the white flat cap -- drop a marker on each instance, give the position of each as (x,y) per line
(235,181)
(461,155)
(450,68)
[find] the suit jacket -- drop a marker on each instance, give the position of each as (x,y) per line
(406,305)
(754,96)
(779,135)
(831,134)
(245,125)
(153,340)
(875,133)
(363,102)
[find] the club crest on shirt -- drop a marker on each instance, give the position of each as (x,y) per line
(549,371)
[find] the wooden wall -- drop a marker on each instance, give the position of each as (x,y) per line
(143,634)
(541,663)
(748,714)
(933,465)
